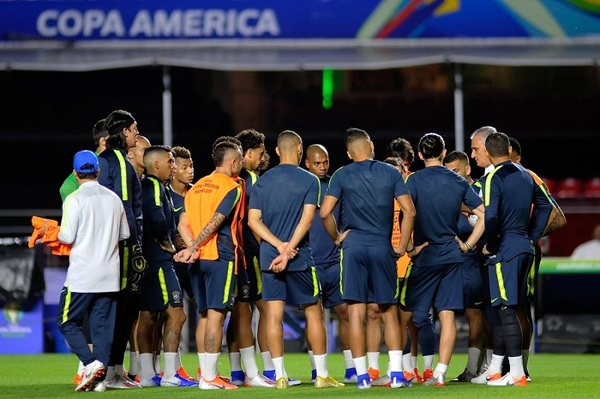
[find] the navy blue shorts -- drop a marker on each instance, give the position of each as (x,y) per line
(473,283)
(508,279)
(249,280)
(437,285)
(181,269)
(160,288)
(329,278)
(368,274)
(213,282)
(295,288)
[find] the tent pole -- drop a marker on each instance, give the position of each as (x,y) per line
(459,128)
(167,108)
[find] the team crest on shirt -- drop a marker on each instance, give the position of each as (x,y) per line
(176,295)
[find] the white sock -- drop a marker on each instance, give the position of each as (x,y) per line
(395,363)
(119,369)
(249,361)
(525,355)
(407,362)
(516,367)
(360,363)
(427,362)
(413,362)
(209,371)
(278,363)
(440,369)
(80,367)
(235,361)
(373,360)
(201,362)
(146,365)
(348,358)
(489,353)
(495,364)
(321,365)
(178,363)
(110,373)
(473,359)
(157,365)
(134,362)
(170,364)
(267,361)
(311,357)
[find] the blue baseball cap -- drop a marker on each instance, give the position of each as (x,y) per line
(85,162)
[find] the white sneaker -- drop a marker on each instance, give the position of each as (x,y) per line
(92,371)
(169,382)
(148,382)
(383,381)
(100,387)
(485,378)
(507,380)
(259,381)
(121,382)
(439,381)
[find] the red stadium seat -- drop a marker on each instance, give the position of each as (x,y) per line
(591,188)
(569,187)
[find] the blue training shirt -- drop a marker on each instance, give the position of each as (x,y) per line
(367,190)
(437,193)
(324,251)
(281,194)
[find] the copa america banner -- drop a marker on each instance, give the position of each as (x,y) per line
(73,20)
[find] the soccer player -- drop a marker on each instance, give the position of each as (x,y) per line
(211,227)
(282,207)
(240,339)
(93,223)
(434,278)
(327,260)
(118,175)
(509,194)
(473,283)
(367,190)
(160,288)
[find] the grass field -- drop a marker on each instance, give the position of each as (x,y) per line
(554,376)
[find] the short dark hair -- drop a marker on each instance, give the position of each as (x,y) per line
(431,145)
(99,131)
(516,146)
(88,175)
(249,139)
(353,134)
(222,146)
(401,148)
(395,161)
(181,152)
(156,148)
(497,144)
(456,156)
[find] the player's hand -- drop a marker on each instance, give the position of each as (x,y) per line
(464,248)
(340,238)
(485,250)
(285,248)
(416,249)
(187,255)
(279,263)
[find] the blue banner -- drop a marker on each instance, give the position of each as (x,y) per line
(73,20)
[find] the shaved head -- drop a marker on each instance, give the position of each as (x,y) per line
(288,140)
(316,148)
(317,160)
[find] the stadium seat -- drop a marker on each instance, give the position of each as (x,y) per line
(569,187)
(591,188)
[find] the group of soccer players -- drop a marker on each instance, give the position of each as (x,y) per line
(376,243)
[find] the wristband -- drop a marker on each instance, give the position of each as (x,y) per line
(410,250)
(469,246)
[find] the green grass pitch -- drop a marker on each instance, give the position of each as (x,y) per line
(554,376)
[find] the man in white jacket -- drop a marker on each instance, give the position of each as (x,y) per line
(93,222)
